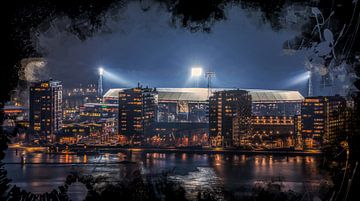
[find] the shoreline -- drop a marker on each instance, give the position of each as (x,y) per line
(214,151)
(110,149)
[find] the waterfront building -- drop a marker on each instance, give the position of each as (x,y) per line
(137,113)
(179,134)
(84,133)
(275,119)
(190,106)
(323,121)
(45,109)
(229,117)
(273,132)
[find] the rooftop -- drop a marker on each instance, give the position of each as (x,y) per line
(201,94)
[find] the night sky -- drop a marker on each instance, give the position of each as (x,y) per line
(144,47)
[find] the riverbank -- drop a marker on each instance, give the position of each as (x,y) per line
(211,151)
(75,149)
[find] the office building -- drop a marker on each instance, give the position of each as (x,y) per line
(45,109)
(229,117)
(137,113)
(323,121)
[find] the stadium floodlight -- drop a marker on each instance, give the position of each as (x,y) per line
(196,72)
(310,89)
(101,71)
(100,81)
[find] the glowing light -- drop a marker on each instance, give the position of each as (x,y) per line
(116,78)
(196,72)
(101,71)
(301,78)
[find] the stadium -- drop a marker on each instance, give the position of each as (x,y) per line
(191,104)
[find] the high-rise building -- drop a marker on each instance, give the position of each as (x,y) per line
(137,113)
(45,111)
(229,117)
(323,121)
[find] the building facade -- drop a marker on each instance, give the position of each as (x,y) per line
(45,109)
(137,113)
(229,117)
(273,132)
(323,121)
(190,106)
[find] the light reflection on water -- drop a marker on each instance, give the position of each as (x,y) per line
(210,171)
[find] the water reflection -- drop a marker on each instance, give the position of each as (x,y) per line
(43,172)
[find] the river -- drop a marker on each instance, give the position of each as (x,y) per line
(44,172)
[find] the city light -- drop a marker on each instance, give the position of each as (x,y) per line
(101,71)
(196,72)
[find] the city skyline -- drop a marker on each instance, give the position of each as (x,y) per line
(180,100)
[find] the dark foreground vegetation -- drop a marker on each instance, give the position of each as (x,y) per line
(138,187)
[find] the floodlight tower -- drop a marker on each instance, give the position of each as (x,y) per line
(100,81)
(310,89)
(209,75)
(196,72)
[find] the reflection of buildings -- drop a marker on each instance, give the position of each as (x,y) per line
(322,120)
(45,111)
(137,108)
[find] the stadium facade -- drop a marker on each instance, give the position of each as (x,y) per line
(191,104)
(182,114)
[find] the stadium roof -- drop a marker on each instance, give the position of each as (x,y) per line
(201,94)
